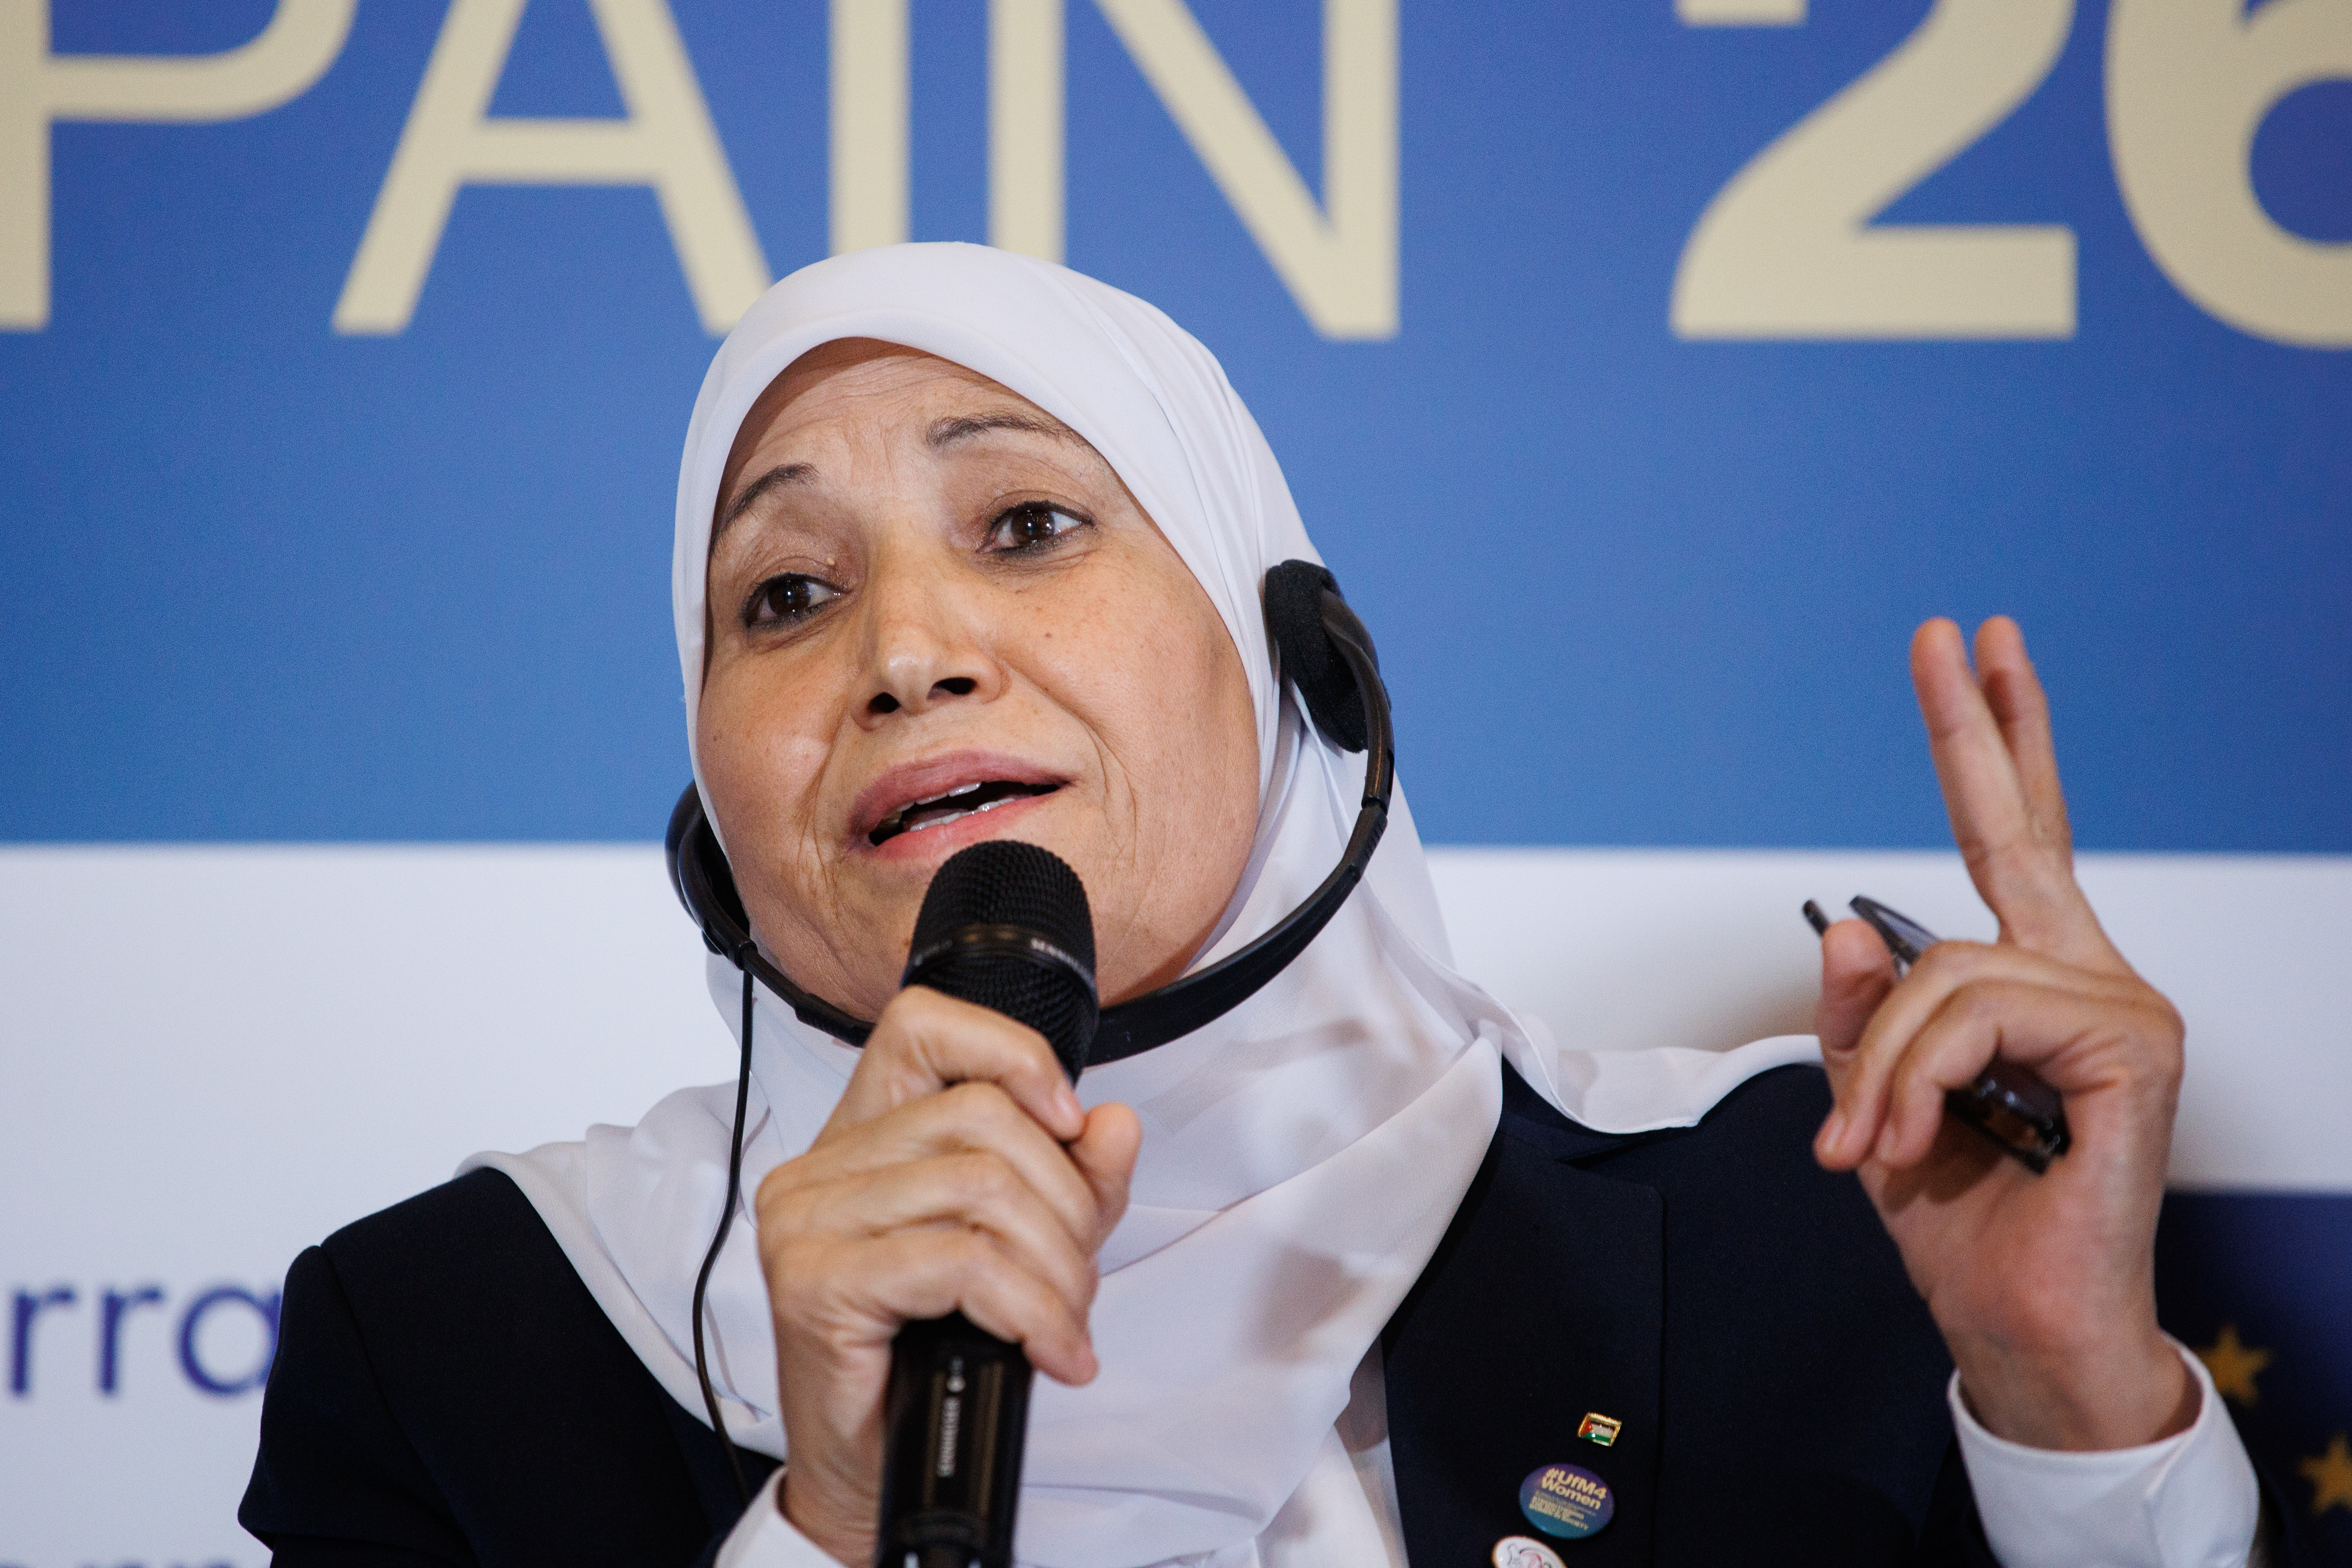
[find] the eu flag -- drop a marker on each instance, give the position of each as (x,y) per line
(2260,1285)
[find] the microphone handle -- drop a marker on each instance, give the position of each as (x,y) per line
(954,1419)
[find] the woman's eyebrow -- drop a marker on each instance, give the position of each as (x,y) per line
(958,427)
(774,478)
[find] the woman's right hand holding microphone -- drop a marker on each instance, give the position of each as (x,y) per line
(958,1174)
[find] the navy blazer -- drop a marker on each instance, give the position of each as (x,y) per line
(447,1391)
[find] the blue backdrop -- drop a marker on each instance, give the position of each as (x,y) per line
(264,581)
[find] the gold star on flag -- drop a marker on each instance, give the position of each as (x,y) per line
(2233,1365)
(2330,1475)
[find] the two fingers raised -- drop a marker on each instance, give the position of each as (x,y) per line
(1988,731)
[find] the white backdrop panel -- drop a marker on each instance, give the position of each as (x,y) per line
(215,1056)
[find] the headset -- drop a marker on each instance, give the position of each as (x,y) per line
(1321,646)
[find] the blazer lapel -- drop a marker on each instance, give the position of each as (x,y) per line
(1542,1304)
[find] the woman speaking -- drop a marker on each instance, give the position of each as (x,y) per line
(971,547)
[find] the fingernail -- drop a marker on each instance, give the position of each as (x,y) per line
(1833,1132)
(1065,1101)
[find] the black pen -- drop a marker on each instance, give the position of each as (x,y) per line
(2006,1102)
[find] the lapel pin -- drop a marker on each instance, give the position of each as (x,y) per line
(1600,1430)
(1525,1551)
(1567,1500)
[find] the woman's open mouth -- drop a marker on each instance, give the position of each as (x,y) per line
(963,801)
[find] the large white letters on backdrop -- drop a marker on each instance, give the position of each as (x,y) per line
(1338,260)
(1787,250)
(38,88)
(664,140)
(2188,85)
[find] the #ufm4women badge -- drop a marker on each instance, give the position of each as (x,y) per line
(1567,1500)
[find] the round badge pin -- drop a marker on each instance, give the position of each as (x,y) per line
(1525,1551)
(1567,1500)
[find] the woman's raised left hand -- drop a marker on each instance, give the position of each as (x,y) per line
(2044,1287)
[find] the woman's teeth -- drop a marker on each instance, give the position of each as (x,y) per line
(945,817)
(937,810)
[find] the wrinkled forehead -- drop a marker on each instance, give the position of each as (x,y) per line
(1143,394)
(946,398)
(1137,440)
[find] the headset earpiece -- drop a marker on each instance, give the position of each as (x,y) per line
(701,878)
(1304,649)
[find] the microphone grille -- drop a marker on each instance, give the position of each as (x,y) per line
(998,883)
(1005,882)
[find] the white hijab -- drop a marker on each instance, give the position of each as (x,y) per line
(1301,1156)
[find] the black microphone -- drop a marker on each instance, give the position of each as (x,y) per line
(1006,925)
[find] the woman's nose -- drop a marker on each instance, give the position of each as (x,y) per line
(921,651)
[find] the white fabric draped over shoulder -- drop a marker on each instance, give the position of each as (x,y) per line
(1301,1155)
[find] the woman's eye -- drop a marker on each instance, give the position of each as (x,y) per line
(790,597)
(1032,523)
